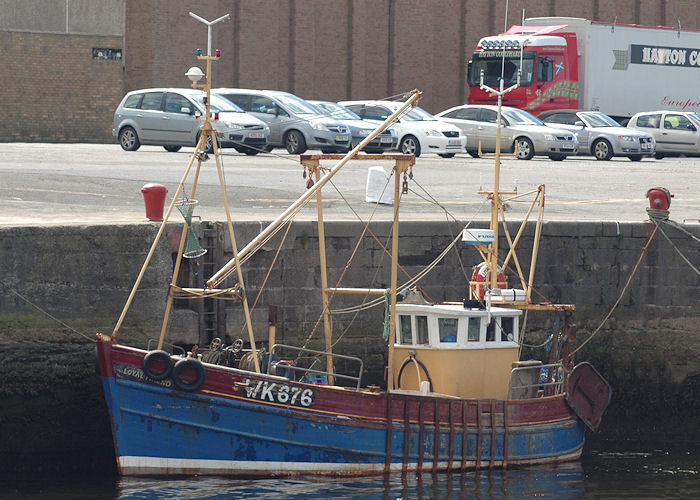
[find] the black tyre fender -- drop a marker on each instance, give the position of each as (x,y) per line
(189,374)
(157,365)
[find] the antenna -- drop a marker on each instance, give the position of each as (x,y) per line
(209,25)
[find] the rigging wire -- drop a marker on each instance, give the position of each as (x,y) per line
(622,294)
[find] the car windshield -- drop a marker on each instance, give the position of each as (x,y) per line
(597,119)
(336,111)
(296,105)
(520,117)
(417,115)
(218,104)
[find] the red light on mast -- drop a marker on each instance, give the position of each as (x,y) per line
(218,53)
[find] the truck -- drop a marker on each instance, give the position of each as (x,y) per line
(574,63)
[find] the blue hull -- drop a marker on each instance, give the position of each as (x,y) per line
(160,430)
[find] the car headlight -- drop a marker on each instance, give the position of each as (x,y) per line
(549,137)
(627,138)
(433,133)
(318,126)
(233,126)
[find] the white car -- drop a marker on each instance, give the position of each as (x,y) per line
(418,131)
(676,132)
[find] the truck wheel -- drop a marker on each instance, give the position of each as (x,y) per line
(659,156)
(294,142)
(128,139)
(525,148)
(410,146)
(474,153)
(602,150)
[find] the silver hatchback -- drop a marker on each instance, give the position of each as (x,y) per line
(168,117)
(294,123)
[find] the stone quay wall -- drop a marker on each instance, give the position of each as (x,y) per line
(61,285)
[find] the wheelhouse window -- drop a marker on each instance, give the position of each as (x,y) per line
(507,329)
(422,330)
(447,328)
(406,336)
(473,329)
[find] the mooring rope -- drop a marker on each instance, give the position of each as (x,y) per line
(622,294)
(46,313)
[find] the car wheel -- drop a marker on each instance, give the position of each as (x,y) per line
(294,142)
(659,156)
(473,153)
(635,157)
(525,148)
(128,139)
(208,147)
(557,157)
(447,155)
(602,150)
(410,146)
(172,149)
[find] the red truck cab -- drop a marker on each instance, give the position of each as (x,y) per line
(548,65)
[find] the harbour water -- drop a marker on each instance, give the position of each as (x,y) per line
(609,469)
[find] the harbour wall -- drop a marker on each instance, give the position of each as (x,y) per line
(63,284)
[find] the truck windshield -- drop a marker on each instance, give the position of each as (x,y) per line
(490,62)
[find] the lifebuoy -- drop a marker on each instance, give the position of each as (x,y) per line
(479,276)
(188,374)
(157,365)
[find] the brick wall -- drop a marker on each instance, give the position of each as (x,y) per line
(55,91)
(348,49)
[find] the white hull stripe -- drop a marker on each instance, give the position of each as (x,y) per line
(152,465)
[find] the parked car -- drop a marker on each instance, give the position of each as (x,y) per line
(168,117)
(676,132)
(532,137)
(294,123)
(600,135)
(418,131)
(359,128)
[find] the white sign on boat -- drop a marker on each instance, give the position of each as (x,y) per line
(477,236)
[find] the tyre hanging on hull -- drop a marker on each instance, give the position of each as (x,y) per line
(157,365)
(188,374)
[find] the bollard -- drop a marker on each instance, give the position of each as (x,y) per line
(154,197)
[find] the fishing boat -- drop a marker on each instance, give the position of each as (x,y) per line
(457,396)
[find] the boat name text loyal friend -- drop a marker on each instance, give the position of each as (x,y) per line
(279,393)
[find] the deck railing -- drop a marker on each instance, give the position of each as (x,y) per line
(531,379)
(279,364)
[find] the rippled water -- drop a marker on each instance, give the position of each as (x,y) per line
(602,474)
